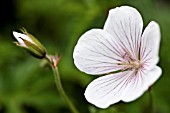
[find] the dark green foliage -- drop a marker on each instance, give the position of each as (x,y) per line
(25,87)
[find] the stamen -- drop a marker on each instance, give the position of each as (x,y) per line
(131,64)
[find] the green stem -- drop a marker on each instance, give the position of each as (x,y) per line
(61,90)
(150,108)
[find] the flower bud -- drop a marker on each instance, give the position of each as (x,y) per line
(30,44)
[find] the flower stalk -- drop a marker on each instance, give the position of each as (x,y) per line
(53,62)
(150,107)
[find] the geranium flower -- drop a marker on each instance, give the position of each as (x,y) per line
(123,54)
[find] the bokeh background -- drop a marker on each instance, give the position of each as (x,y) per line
(27,87)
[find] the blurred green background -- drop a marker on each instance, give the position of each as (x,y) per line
(26,87)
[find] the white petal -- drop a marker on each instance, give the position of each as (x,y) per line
(125,25)
(107,90)
(97,53)
(150,45)
(153,75)
(140,83)
(20,36)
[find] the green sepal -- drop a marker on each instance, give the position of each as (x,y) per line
(34,50)
(33,39)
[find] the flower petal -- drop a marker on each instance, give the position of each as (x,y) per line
(153,75)
(140,83)
(19,38)
(97,53)
(107,90)
(125,25)
(150,45)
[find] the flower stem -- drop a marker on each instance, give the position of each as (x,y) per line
(150,108)
(61,90)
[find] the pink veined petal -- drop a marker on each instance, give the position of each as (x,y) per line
(125,25)
(140,83)
(150,45)
(107,90)
(97,52)
(18,36)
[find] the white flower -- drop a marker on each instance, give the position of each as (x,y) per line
(120,51)
(30,44)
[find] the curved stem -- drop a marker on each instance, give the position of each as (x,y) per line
(61,90)
(150,108)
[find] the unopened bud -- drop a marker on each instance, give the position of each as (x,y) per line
(30,44)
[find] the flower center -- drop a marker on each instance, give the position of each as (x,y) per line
(135,64)
(131,64)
